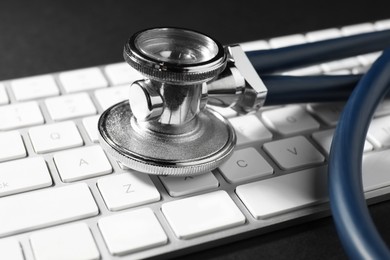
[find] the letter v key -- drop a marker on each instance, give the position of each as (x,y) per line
(293,151)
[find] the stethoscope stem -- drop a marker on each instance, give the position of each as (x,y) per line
(270,61)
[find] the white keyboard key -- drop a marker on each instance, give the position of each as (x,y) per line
(329,113)
(368,59)
(180,186)
(278,195)
(324,139)
(375,169)
(306,71)
(357,29)
(132,231)
(245,164)
(340,65)
(82,163)
(249,129)
(3,95)
(83,79)
(39,209)
(53,137)
(379,132)
(73,241)
(383,108)
(360,70)
(284,41)
(341,72)
(70,106)
(382,25)
(202,214)
(224,111)
(127,190)
(293,152)
(20,115)
(255,45)
(90,125)
(11,146)
(10,249)
(23,175)
(322,35)
(289,120)
(121,73)
(34,87)
(110,96)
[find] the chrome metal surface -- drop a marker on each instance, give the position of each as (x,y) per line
(176,56)
(165,103)
(164,128)
(239,85)
(226,89)
(255,91)
(208,142)
(146,103)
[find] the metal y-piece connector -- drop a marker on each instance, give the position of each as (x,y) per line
(238,86)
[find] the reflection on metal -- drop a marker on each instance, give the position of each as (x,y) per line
(164,128)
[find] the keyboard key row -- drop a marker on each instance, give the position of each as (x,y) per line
(140,229)
(43,86)
(296,190)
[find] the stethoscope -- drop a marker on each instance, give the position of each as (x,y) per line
(165,127)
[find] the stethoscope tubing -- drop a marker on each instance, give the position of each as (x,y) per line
(284,90)
(296,56)
(354,225)
(322,88)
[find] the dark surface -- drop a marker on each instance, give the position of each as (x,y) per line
(47,36)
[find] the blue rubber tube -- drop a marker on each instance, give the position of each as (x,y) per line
(270,61)
(354,225)
(302,89)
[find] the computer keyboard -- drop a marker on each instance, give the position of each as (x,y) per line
(63,197)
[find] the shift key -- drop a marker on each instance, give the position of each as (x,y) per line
(39,209)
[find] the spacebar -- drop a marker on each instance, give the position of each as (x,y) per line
(32,210)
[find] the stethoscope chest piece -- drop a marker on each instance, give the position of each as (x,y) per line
(204,145)
(164,127)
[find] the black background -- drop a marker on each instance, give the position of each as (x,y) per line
(47,36)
